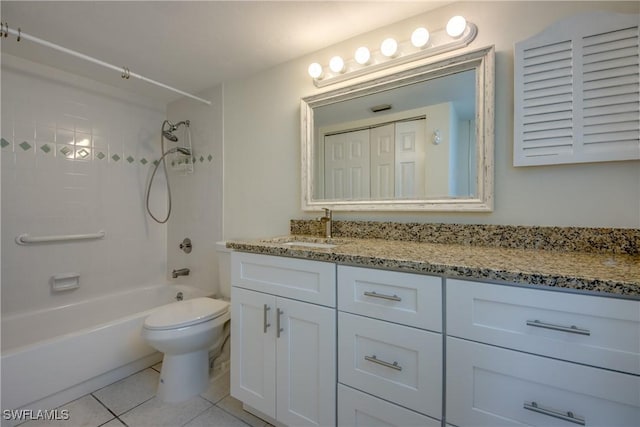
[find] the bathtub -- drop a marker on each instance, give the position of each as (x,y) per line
(52,356)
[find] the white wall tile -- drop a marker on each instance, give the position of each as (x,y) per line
(46,192)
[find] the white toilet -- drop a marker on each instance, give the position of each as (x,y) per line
(184,331)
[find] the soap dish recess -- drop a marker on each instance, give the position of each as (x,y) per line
(65,282)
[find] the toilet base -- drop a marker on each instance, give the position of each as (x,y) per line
(183,376)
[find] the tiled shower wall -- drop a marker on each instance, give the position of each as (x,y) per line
(76,157)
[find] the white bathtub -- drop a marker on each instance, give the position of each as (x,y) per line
(52,356)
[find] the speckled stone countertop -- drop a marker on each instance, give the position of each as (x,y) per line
(605,273)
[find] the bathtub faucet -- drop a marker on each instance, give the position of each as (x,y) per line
(180,272)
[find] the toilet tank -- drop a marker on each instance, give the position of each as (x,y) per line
(224,269)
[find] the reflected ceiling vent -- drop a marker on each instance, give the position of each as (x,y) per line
(381,107)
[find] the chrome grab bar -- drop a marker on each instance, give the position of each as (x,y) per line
(25,239)
(265,325)
(571,329)
(382,296)
(374,359)
(278,328)
(565,416)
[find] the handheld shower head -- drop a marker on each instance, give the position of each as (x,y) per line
(169,135)
(183,150)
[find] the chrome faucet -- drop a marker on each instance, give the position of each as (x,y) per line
(180,272)
(327,220)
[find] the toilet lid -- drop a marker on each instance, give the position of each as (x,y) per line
(185,313)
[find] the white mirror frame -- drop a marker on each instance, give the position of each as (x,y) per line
(482,60)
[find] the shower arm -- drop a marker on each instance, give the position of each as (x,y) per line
(175,126)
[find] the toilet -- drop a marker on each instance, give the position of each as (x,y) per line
(184,331)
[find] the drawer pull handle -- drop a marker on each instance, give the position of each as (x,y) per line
(570,329)
(383,296)
(374,359)
(278,328)
(566,416)
(265,325)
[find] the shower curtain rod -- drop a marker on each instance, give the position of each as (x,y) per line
(126,73)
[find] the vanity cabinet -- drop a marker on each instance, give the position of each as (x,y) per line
(284,349)
(526,356)
(389,348)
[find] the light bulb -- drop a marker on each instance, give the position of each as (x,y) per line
(389,47)
(420,37)
(315,70)
(456,26)
(336,64)
(362,55)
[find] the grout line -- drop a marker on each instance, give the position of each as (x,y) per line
(107,408)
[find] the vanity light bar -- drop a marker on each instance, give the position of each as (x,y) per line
(423,44)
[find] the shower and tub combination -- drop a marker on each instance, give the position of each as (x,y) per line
(54,355)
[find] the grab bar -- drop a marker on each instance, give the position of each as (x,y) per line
(25,239)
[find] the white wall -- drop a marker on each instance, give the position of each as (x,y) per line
(262,138)
(197,197)
(47,192)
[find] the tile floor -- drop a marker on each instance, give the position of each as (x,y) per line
(131,402)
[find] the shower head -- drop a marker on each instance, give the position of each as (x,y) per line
(183,150)
(169,135)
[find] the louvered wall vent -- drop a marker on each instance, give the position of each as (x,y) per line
(577,92)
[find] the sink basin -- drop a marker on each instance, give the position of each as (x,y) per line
(311,245)
(300,241)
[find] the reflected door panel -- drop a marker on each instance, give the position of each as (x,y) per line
(410,159)
(347,165)
(382,161)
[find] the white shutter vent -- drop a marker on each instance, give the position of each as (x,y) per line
(577,92)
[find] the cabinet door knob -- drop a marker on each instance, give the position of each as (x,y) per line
(265,325)
(570,329)
(278,328)
(565,416)
(374,359)
(382,296)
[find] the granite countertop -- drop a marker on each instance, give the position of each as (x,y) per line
(609,274)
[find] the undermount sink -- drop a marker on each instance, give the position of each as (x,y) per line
(311,242)
(311,245)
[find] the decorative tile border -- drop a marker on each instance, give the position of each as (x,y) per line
(87,153)
(579,239)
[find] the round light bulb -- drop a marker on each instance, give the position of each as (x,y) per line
(420,37)
(315,70)
(389,47)
(362,55)
(336,64)
(456,26)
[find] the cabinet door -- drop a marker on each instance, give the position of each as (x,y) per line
(306,364)
(359,409)
(301,279)
(395,362)
(586,329)
(253,349)
(492,386)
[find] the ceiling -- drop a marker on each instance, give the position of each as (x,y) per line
(191,45)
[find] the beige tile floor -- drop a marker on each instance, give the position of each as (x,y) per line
(131,402)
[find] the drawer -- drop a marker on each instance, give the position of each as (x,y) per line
(491,386)
(303,280)
(397,363)
(410,299)
(359,409)
(606,333)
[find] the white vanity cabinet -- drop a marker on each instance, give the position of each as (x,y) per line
(518,356)
(284,349)
(389,348)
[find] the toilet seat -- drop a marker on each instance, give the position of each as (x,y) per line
(185,313)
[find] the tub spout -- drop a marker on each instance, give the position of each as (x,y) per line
(180,272)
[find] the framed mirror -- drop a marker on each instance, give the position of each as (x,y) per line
(420,139)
